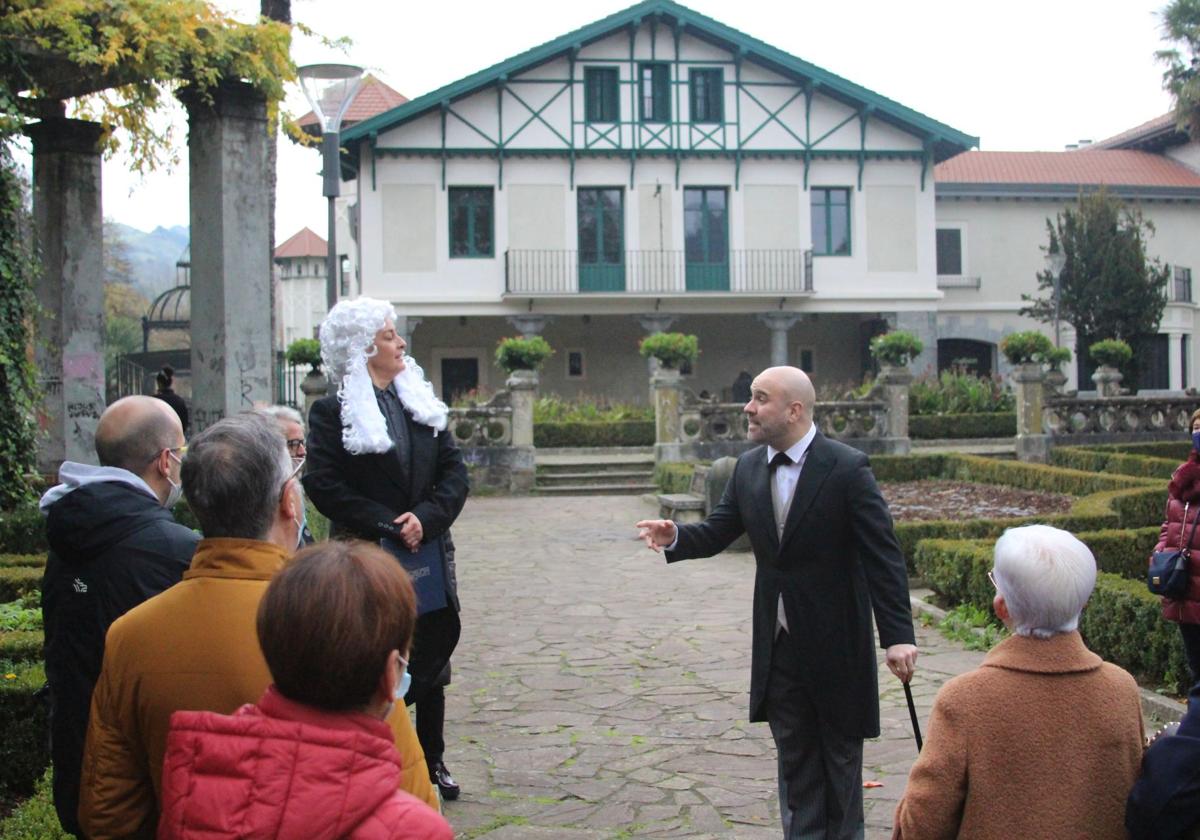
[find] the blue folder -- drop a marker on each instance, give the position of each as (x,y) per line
(427,570)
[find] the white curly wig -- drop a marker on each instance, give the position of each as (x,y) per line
(347,341)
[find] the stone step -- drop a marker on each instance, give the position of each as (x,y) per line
(595,490)
(555,479)
(601,468)
(602,451)
(588,461)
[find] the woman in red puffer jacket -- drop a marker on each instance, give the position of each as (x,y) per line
(313,760)
(1183,507)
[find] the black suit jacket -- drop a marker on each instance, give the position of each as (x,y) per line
(363,494)
(838,560)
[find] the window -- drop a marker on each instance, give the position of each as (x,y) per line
(575,364)
(831,221)
(706,238)
(949,251)
(1150,354)
(601,102)
(654,91)
(470,221)
(706,95)
(806,360)
(1183,285)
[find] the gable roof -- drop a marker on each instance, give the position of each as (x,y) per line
(1127,172)
(947,141)
(373,97)
(303,243)
(1152,135)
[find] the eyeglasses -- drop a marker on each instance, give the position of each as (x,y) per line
(992,578)
(182,450)
(294,445)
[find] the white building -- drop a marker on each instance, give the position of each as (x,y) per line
(655,169)
(991,213)
(300,286)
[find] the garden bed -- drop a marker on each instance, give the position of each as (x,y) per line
(942,499)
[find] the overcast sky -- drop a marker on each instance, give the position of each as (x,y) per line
(1020,75)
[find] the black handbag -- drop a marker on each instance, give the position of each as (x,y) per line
(1169,571)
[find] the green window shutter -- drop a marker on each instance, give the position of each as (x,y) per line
(706,95)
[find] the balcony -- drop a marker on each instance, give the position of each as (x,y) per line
(657,273)
(958,281)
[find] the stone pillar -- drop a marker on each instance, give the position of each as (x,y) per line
(924,326)
(1032,443)
(779,323)
(664,385)
(522,388)
(406,325)
(895,381)
(1174,361)
(69,343)
(231,272)
(315,385)
(529,325)
(654,322)
(1108,381)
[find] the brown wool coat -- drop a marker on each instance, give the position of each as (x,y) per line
(1043,740)
(194,647)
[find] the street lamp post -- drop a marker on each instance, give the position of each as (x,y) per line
(330,88)
(1055,262)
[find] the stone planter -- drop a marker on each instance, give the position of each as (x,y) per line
(523,386)
(1032,444)
(1055,381)
(1108,381)
(895,381)
(314,385)
(665,387)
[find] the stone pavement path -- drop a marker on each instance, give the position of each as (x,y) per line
(599,693)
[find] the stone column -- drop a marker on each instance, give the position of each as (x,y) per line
(664,385)
(231,271)
(529,325)
(1174,361)
(69,341)
(522,388)
(895,381)
(315,385)
(779,323)
(654,322)
(1032,443)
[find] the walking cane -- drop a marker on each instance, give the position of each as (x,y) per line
(912,713)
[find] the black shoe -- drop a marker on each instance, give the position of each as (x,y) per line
(440,776)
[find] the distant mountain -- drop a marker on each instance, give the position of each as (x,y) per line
(151,257)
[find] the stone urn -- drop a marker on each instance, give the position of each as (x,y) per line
(1055,381)
(1108,381)
(314,386)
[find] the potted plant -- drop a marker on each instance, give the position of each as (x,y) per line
(896,349)
(1110,355)
(522,354)
(672,350)
(1026,348)
(307,351)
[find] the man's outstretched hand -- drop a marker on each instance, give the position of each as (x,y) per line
(656,533)
(902,661)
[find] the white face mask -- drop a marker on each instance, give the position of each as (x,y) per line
(176,491)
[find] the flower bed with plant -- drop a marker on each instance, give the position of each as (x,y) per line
(517,353)
(1111,352)
(958,404)
(896,348)
(672,350)
(587,421)
(305,351)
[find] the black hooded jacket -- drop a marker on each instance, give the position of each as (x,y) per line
(112,546)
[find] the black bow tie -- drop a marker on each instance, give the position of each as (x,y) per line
(781,459)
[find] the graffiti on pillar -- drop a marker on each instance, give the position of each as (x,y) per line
(202,418)
(83,410)
(245,359)
(51,385)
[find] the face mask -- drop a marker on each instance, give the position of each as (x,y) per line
(1196,441)
(176,491)
(405,682)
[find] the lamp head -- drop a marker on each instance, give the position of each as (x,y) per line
(330,88)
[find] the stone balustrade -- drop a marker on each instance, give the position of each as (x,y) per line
(482,426)
(853,420)
(1118,417)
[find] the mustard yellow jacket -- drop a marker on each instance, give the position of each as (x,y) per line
(193,647)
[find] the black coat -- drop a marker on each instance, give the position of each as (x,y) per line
(111,547)
(363,494)
(838,560)
(1165,801)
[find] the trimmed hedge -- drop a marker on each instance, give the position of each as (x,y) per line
(23,531)
(29,560)
(1122,552)
(939,426)
(1119,463)
(35,818)
(21,645)
(1173,450)
(577,433)
(16,581)
(1123,623)
(24,753)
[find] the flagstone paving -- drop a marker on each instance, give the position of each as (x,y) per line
(600,693)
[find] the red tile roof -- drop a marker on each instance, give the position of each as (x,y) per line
(1164,125)
(1083,168)
(302,244)
(373,97)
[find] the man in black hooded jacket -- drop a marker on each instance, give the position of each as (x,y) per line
(113,544)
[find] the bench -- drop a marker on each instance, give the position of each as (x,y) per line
(686,507)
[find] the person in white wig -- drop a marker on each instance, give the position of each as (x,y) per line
(383,467)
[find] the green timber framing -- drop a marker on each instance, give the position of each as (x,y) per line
(665,139)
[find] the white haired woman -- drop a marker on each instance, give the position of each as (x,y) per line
(383,467)
(1044,739)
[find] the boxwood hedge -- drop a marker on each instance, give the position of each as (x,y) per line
(581,433)
(24,752)
(939,426)
(1111,461)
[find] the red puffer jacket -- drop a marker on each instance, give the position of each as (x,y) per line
(1183,494)
(283,770)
